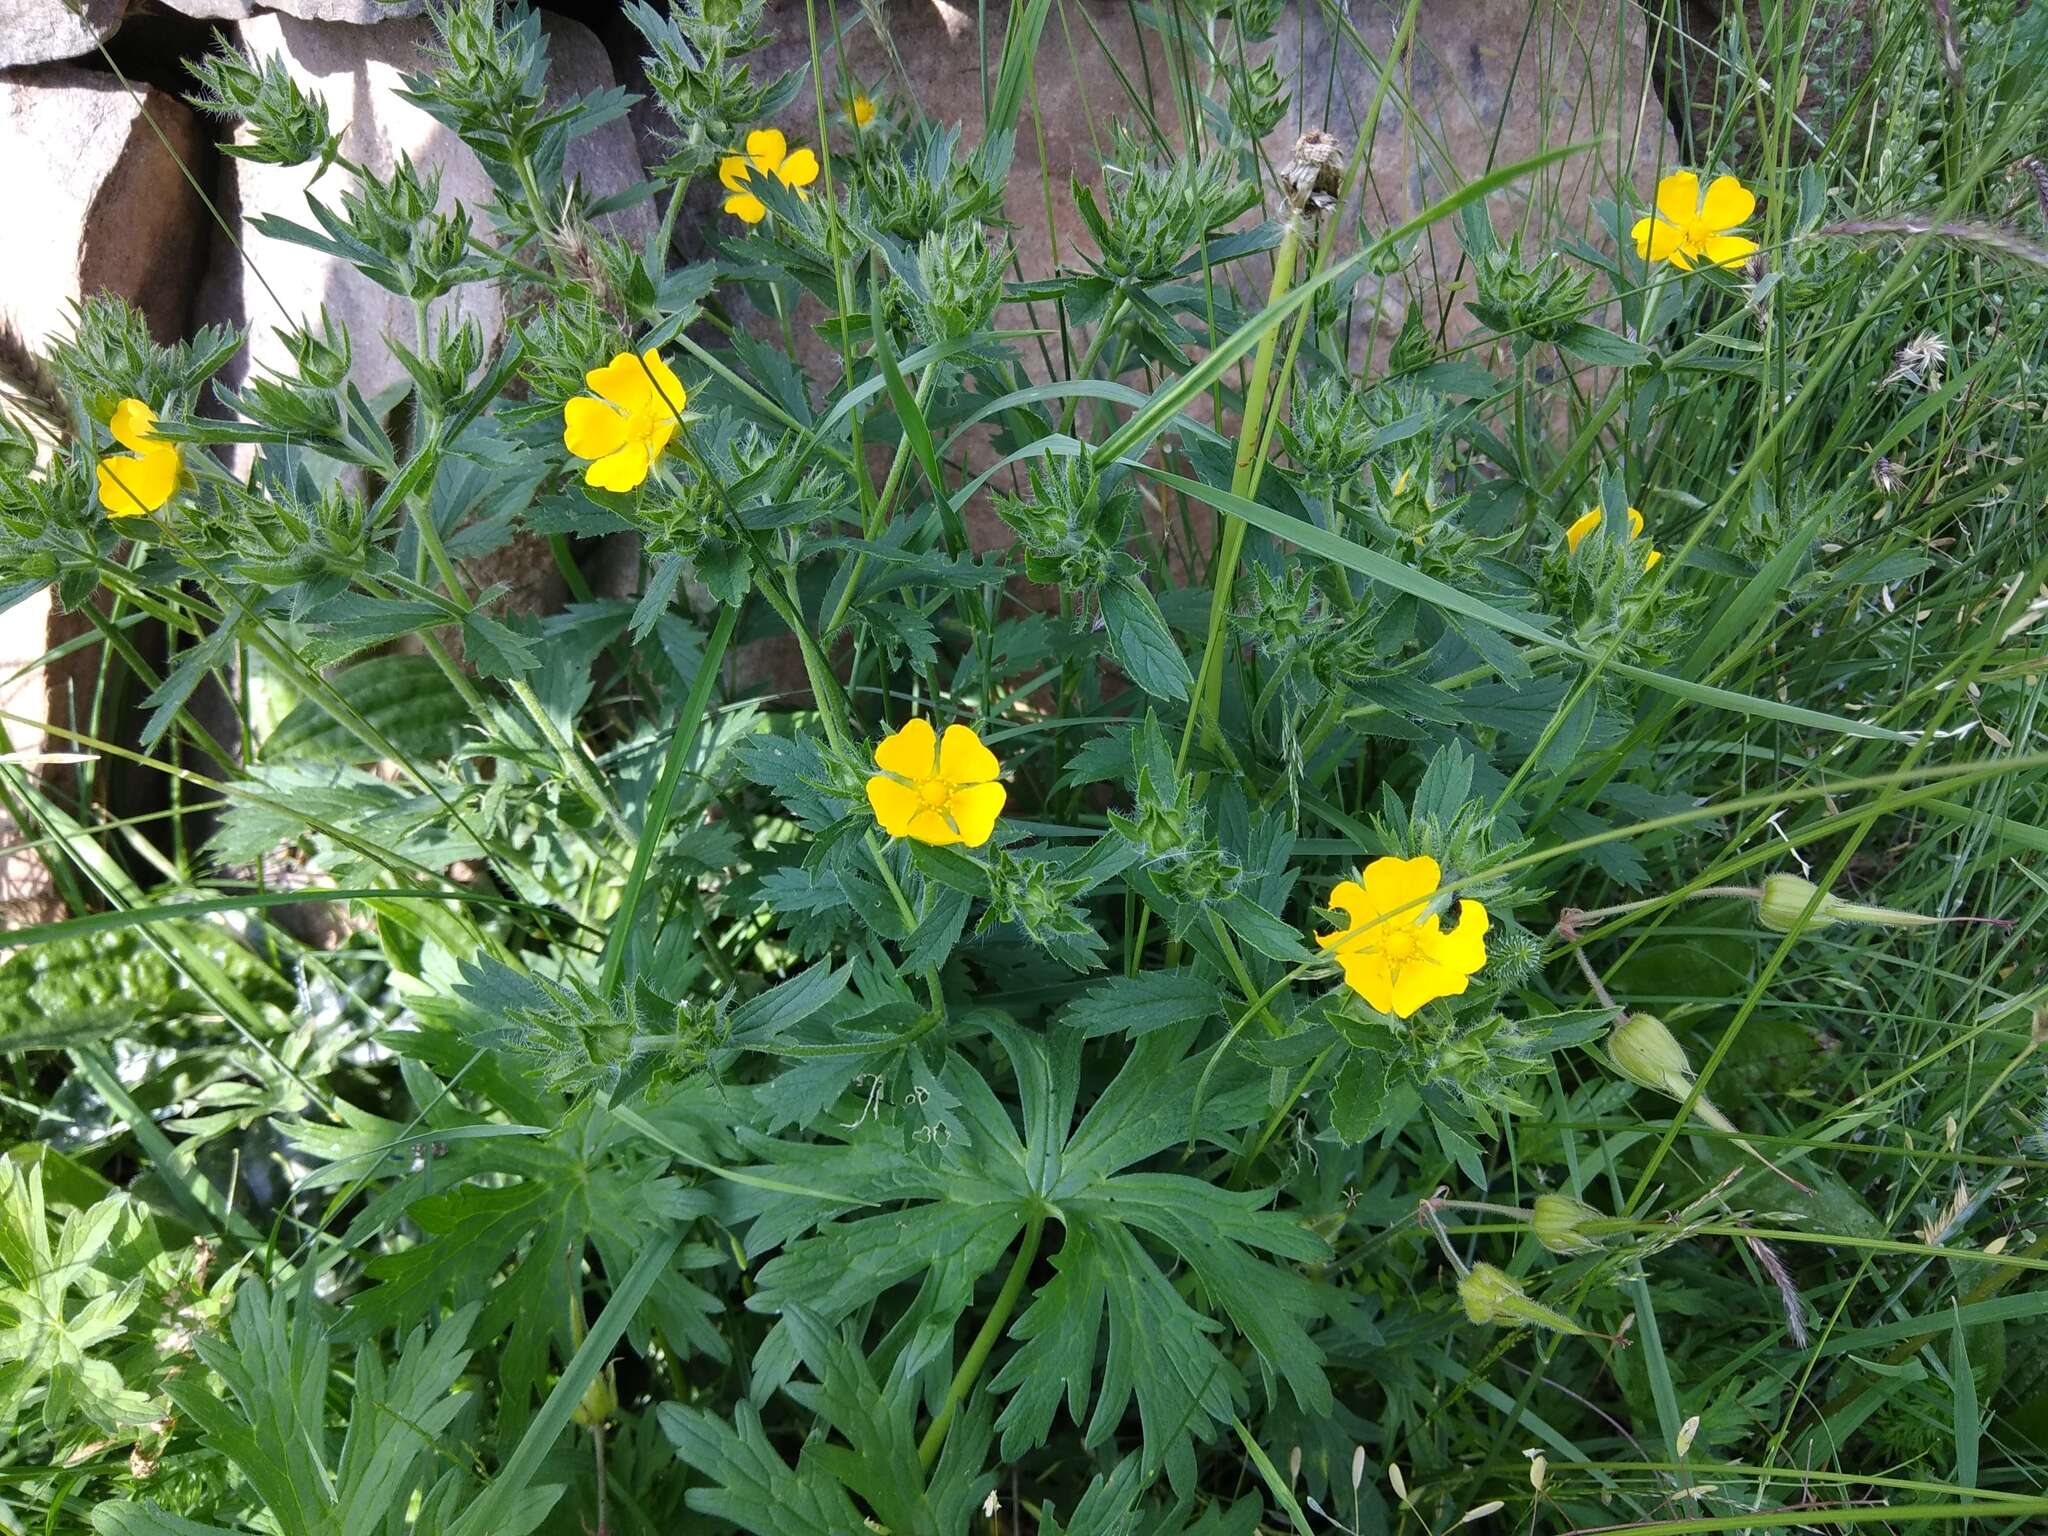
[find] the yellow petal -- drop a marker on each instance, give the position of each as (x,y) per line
(1727,203)
(1678,197)
(1368,974)
(1728,250)
(931,825)
(1348,898)
(963,759)
(623,381)
(133,425)
(1402,885)
(862,111)
(1678,257)
(1422,981)
(619,471)
(1635,523)
(659,429)
(895,804)
(746,207)
(1657,240)
(134,484)
(1463,949)
(975,810)
(669,396)
(1650,560)
(912,753)
(732,171)
(1576,534)
(766,147)
(591,429)
(799,170)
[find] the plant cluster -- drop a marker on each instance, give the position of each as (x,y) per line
(1144,1038)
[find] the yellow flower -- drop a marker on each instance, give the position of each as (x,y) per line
(769,153)
(624,430)
(1591,518)
(143,479)
(1394,951)
(861,109)
(936,791)
(1689,228)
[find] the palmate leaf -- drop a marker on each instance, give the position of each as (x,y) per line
(1127,1235)
(587,1182)
(877,1461)
(272,1422)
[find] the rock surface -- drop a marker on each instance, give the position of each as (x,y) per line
(42,31)
(263,283)
(1489,82)
(83,166)
(214,10)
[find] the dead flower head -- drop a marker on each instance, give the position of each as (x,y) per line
(1314,178)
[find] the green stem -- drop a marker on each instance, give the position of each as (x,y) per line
(824,686)
(984,1341)
(1209,684)
(656,820)
(872,525)
(1102,332)
(573,761)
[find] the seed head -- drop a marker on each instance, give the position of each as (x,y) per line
(1314,178)
(1785,897)
(1649,1055)
(1561,1224)
(1492,1296)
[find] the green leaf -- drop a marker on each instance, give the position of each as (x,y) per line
(1402,578)
(1591,344)
(952,1223)
(406,700)
(495,649)
(1137,1005)
(1359,1097)
(760,1020)
(1144,647)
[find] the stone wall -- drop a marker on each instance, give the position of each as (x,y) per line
(102,167)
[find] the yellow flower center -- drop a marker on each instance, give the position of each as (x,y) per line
(935,793)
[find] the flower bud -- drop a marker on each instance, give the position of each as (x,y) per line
(1785,897)
(600,1402)
(1491,1296)
(1649,1055)
(1563,1225)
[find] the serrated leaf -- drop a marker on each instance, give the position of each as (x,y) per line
(1137,1005)
(1142,644)
(495,649)
(406,700)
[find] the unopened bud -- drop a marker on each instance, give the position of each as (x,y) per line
(1785,897)
(1649,1055)
(1492,1296)
(600,1403)
(1563,1225)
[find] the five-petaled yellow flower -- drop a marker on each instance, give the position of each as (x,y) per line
(769,153)
(1592,518)
(624,430)
(861,109)
(1689,228)
(935,790)
(1394,951)
(142,479)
